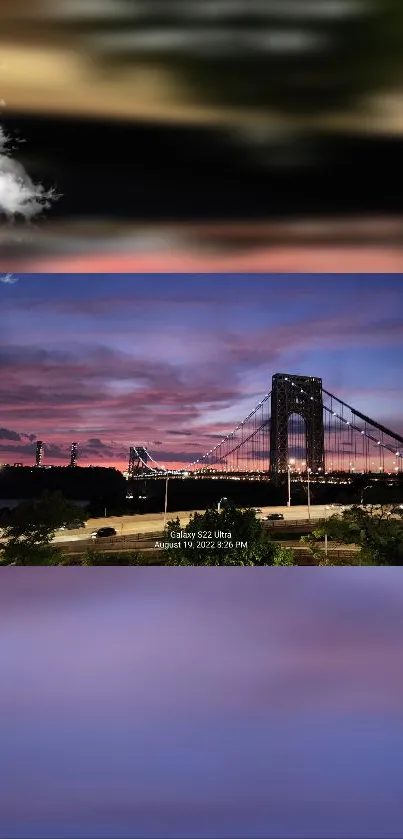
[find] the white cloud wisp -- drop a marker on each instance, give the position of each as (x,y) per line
(19,195)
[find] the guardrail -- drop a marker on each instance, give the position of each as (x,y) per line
(106,544)
(300,550)
(330,555)
(130,537)
(281,523)
(298,545)
(108,540)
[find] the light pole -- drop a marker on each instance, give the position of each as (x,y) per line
(309,495)
(291,462)
(166,502)
(362,494)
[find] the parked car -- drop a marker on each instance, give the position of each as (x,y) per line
(103,532)
(72,525)
(274,517)
(256,509)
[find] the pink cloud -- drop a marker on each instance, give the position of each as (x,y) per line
(274,260)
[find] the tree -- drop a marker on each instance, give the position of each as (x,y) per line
(379,537)
(283,556)
(228,537)
(32,526)
(105,559)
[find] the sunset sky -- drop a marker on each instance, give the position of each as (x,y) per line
(219,703)
(177,361)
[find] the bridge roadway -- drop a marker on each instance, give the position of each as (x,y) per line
(153,522)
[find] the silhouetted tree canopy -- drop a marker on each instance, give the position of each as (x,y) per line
(379,537)
(33,524)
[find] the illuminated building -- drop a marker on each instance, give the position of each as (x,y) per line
(39,453)
(73,454)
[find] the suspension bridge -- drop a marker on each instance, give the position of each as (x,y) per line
(297,427)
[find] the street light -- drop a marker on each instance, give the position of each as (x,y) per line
(166,502)
(308,470)
(362,494)
(290,463)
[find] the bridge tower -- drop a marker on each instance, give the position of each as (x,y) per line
(138,460)
(300,395)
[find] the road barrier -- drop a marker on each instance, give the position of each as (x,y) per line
(98,544)
(331,555)
(125,545)
(291,523)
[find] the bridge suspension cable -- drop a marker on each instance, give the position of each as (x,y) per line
(251,428)
(337,416)
(144,462)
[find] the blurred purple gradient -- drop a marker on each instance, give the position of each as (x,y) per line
(153,703)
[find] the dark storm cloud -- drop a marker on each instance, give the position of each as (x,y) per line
(18,450)
(14,356)
(95,443)
(6,434)
(214,436)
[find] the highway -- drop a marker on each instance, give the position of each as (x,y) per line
(153,522)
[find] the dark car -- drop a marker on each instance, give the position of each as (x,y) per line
(103,532)
(274,517)
(75,525)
